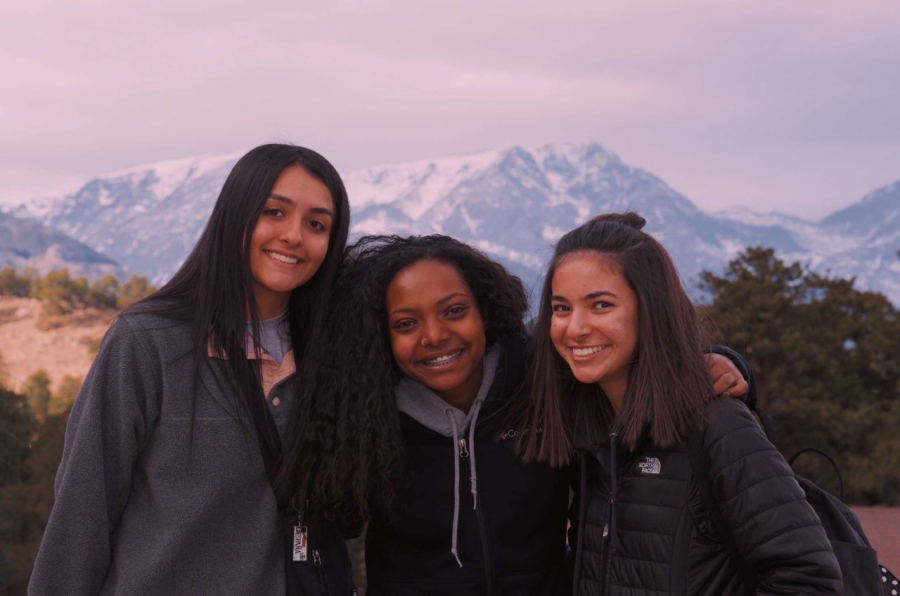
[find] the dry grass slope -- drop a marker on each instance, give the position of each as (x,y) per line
(62,348)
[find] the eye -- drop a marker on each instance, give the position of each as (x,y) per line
(403,325)
(457,311)
(602,304)
(561,308)
(318,226)
(273,212)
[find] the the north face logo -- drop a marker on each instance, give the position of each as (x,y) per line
(650,465)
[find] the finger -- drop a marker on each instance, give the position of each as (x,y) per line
(739,388)
(725,383)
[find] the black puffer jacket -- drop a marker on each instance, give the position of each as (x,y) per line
(641,526)
(512,544)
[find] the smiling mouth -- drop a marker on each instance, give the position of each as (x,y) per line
(443,360)
(589,351)
(282,258)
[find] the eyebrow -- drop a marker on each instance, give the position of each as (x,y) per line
(591,296)
(290,201)
(447,298)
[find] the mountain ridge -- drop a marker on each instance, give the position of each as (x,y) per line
(512,202)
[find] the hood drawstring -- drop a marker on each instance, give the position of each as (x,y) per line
(474,473)
(613,494)
(455,487)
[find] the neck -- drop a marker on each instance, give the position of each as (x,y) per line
(269,309)
(463,397)
(615,393)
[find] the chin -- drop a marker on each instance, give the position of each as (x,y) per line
(587,377)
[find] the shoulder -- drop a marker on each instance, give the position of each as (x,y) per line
(733,434)
(726,415)
(139,336)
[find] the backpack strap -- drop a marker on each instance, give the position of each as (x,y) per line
(833,463)
(700,469)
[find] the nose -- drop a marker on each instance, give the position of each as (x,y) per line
(291,232)
(578,324)
(434,333)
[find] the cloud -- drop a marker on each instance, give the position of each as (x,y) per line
(739,101)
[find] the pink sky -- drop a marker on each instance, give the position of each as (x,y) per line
(789,106)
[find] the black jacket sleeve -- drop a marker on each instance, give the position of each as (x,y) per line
(776,531)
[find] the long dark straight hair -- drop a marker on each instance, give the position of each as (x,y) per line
(668,384)
(212,292)
(345,443)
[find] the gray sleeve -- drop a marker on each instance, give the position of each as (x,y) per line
(776,531)
(109,423)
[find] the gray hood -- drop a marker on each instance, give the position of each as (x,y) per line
(432,412)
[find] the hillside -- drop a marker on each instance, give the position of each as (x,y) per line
(27,243)
(64,350)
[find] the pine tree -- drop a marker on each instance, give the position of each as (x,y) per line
(824,357)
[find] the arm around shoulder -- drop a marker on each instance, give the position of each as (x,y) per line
(110,420)
(775,530)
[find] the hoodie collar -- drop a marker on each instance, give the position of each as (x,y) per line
(425,407)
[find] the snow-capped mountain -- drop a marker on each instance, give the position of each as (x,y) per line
(29,243)
(860,241)
(512,202)
(515,202)
(146,218)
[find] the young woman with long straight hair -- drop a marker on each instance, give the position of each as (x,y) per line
(164,485)
(620,381)
(409,414)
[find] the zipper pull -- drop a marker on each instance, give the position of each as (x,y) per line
(317,559)
(605,532)
(463,449)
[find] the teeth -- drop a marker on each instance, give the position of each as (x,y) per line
(443,359)
(282,258)
(586,351)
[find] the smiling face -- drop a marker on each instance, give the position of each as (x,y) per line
(437,332)
(290,239)
(594,324)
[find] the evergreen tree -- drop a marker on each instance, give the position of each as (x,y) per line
(13,444)
(104,292)
(824,357)
(135,288)
(13,284)
(37,392)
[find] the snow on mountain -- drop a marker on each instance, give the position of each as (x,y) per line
(512,202)
(146,218)
(860,241)
(515,202)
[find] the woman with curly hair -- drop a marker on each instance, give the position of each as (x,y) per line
(620,381)
(409,414)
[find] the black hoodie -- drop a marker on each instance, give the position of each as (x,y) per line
(512,543)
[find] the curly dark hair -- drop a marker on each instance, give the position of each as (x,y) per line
(344,447)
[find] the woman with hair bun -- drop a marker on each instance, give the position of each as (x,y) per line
(165,481)
(410,414)
(620,384)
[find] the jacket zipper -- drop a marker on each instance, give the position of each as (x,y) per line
(482,531)
(604,557)
(320,570)
(488,563)
(605,546)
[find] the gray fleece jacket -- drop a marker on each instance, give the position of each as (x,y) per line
(143,509)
